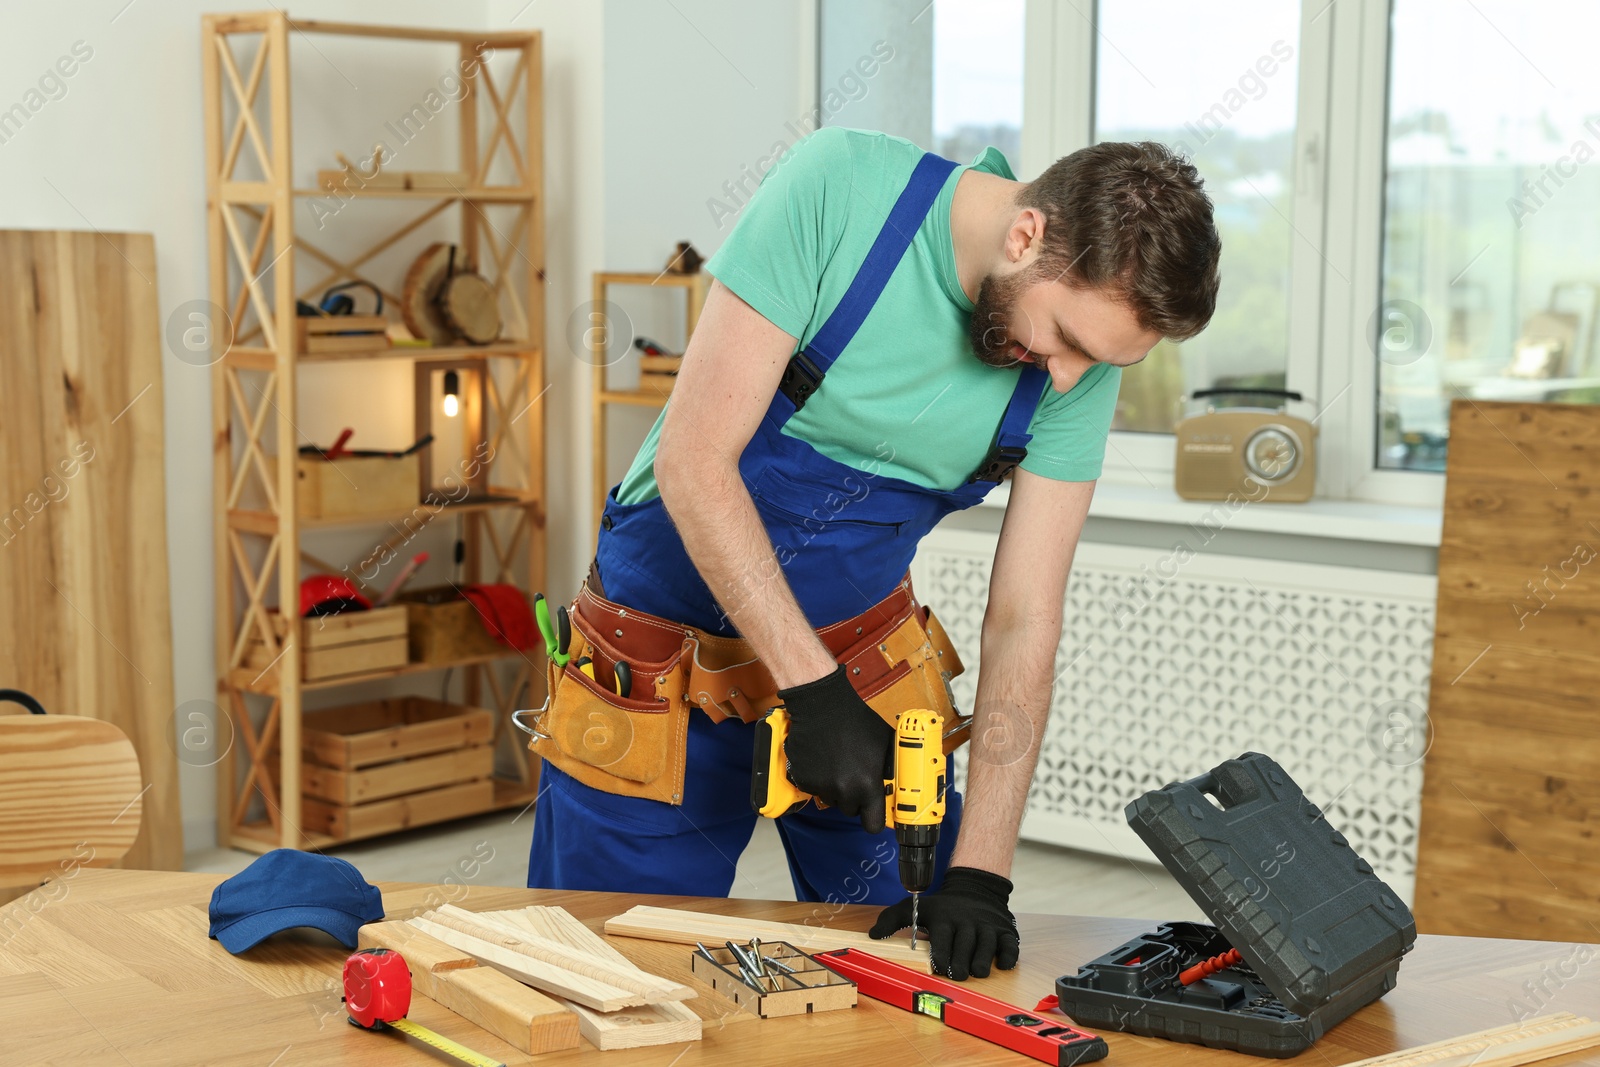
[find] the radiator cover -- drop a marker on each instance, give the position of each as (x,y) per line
(1172,661)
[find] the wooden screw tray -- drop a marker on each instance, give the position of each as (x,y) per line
(805,988)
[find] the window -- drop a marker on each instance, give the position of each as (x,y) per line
(1173,71)
(977,78)
(955,83)
(1491,230)
(1408,192)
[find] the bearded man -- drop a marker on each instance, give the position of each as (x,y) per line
(889,335)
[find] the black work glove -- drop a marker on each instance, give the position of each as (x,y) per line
(838,748)
(968,923)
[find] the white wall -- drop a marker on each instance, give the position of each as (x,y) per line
(644,121)
(575,223)
(699,93)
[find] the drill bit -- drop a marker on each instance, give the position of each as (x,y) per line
(914,898)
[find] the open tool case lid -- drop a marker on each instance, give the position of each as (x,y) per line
(1319,932)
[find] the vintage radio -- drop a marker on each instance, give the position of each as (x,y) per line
(1247,452)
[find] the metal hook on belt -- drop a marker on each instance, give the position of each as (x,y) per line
(538,713)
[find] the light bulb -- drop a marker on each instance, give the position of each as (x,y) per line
(452,387)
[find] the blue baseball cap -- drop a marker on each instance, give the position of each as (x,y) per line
(286,888)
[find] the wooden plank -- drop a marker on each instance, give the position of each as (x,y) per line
(567,985)
(652,1024)
(221,403)
(425,956)
(341,181)
(687,927)
(626,976)
(499,38)
(87,625)
(1504,1046)
(1505,845)
(523,1017)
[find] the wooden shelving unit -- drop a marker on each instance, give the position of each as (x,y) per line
(694,287)
(255,258)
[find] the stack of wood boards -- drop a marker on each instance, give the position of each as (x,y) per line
(522,1017)
(688,927)
(617,1004)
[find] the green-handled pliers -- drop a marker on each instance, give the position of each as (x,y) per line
(557,633)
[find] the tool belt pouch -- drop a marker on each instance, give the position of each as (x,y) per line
(909,665)
(629,746)
(896,655)
(895,663)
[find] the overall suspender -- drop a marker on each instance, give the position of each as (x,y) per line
(806,369)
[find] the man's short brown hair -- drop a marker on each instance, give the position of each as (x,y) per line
(1133,218)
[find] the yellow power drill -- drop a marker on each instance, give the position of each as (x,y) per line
(913,799)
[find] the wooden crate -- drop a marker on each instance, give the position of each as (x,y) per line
(398,813)
(376,768)
(349,643)
(364,735)
(341,333)
(350,787)
(354,486)
(660,384)
(444,627)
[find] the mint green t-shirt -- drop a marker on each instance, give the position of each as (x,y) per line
(906,398)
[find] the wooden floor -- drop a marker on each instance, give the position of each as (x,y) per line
(1049,880)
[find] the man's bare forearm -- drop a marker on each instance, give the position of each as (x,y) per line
(729,546)
(1009,718)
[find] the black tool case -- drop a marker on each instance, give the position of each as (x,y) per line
(1320,934)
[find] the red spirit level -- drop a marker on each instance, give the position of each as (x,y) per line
(962,1009)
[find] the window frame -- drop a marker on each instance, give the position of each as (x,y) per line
(1136,458)
(1337,213)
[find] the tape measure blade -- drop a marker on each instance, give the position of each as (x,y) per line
(444,1044)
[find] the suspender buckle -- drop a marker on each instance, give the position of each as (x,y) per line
(800,379)
(999,463)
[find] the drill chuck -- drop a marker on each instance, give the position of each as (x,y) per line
(918,846)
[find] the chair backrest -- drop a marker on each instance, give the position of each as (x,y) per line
(70,796)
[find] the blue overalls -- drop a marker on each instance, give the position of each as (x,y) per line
(844,538)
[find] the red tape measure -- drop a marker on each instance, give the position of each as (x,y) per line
(377,994)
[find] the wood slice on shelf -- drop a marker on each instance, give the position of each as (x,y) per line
(471,307)
(444,301)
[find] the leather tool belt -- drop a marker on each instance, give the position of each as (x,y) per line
(896,655)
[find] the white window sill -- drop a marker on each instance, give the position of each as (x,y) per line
(1345,520)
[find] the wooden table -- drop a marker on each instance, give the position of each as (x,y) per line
(112,966)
